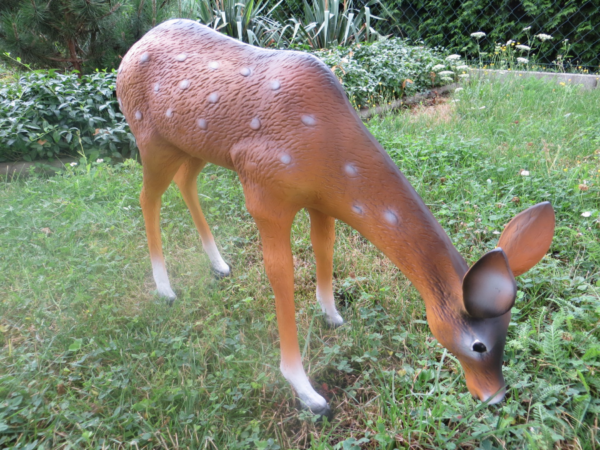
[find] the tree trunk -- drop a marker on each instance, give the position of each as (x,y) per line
(74,59)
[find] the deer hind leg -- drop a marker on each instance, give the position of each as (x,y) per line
(186,180)
(160,163)
(322,235)
(274,222)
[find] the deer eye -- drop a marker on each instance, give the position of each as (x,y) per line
(479,347)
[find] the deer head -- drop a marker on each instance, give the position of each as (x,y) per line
(476,331)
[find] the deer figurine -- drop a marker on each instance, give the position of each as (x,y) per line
(281,120)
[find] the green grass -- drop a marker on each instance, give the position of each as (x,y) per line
(91,358)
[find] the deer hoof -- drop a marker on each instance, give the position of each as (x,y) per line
(168,294)
(218,273)
(334,321)
(325,412)
(321,411)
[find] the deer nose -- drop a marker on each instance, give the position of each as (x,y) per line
(492,398)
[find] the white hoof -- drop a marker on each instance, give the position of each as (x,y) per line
(221,270)
(219,267)
(162,281)
(327,303)
(334,320)
(166,292)
(307,395)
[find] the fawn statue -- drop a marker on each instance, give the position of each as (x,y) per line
(282,121)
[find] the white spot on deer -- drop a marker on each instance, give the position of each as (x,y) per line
(285,158)
(390,217)
(213,65)
(145,58)
(184,84)
(245,72)
(202,124)
(214,97)
(255,124)
(156,87)
(357,209)
(275,85)
(169,113)
(309,121)
(138,115)
(181,57)
(351,170)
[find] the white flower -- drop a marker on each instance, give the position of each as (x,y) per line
(543,37)
(445,73)
(448,79)
(522,60)
(73,164)
(99,160)
(453,58)
(483,107)
(526,28)
(489,181)
(510,41)
(463,67)
(458,89)
(438,67)
(463,75)
(524,173)
(524,48)
(586,214)
(495,232)
(478,35)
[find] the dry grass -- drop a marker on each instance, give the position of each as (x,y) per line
(439,110)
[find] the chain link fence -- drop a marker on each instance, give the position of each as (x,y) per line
(573,24)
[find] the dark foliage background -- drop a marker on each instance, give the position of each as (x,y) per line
(449,24)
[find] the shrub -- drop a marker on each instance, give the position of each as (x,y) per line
(46,114)
(440,22)
(384,70)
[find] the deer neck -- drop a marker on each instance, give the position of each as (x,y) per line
(381,204)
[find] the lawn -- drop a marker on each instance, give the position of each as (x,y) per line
(91,358)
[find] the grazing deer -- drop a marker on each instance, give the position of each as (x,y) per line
(281,120)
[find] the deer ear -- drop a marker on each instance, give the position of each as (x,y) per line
(489,288)
(527,237)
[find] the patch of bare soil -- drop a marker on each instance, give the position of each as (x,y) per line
(434,110)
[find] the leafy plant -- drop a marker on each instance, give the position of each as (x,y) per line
(382,71)
(246,20)
(47,114)
(329,23)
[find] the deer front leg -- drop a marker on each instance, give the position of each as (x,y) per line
(322,235)
(186,180)
(274,227)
